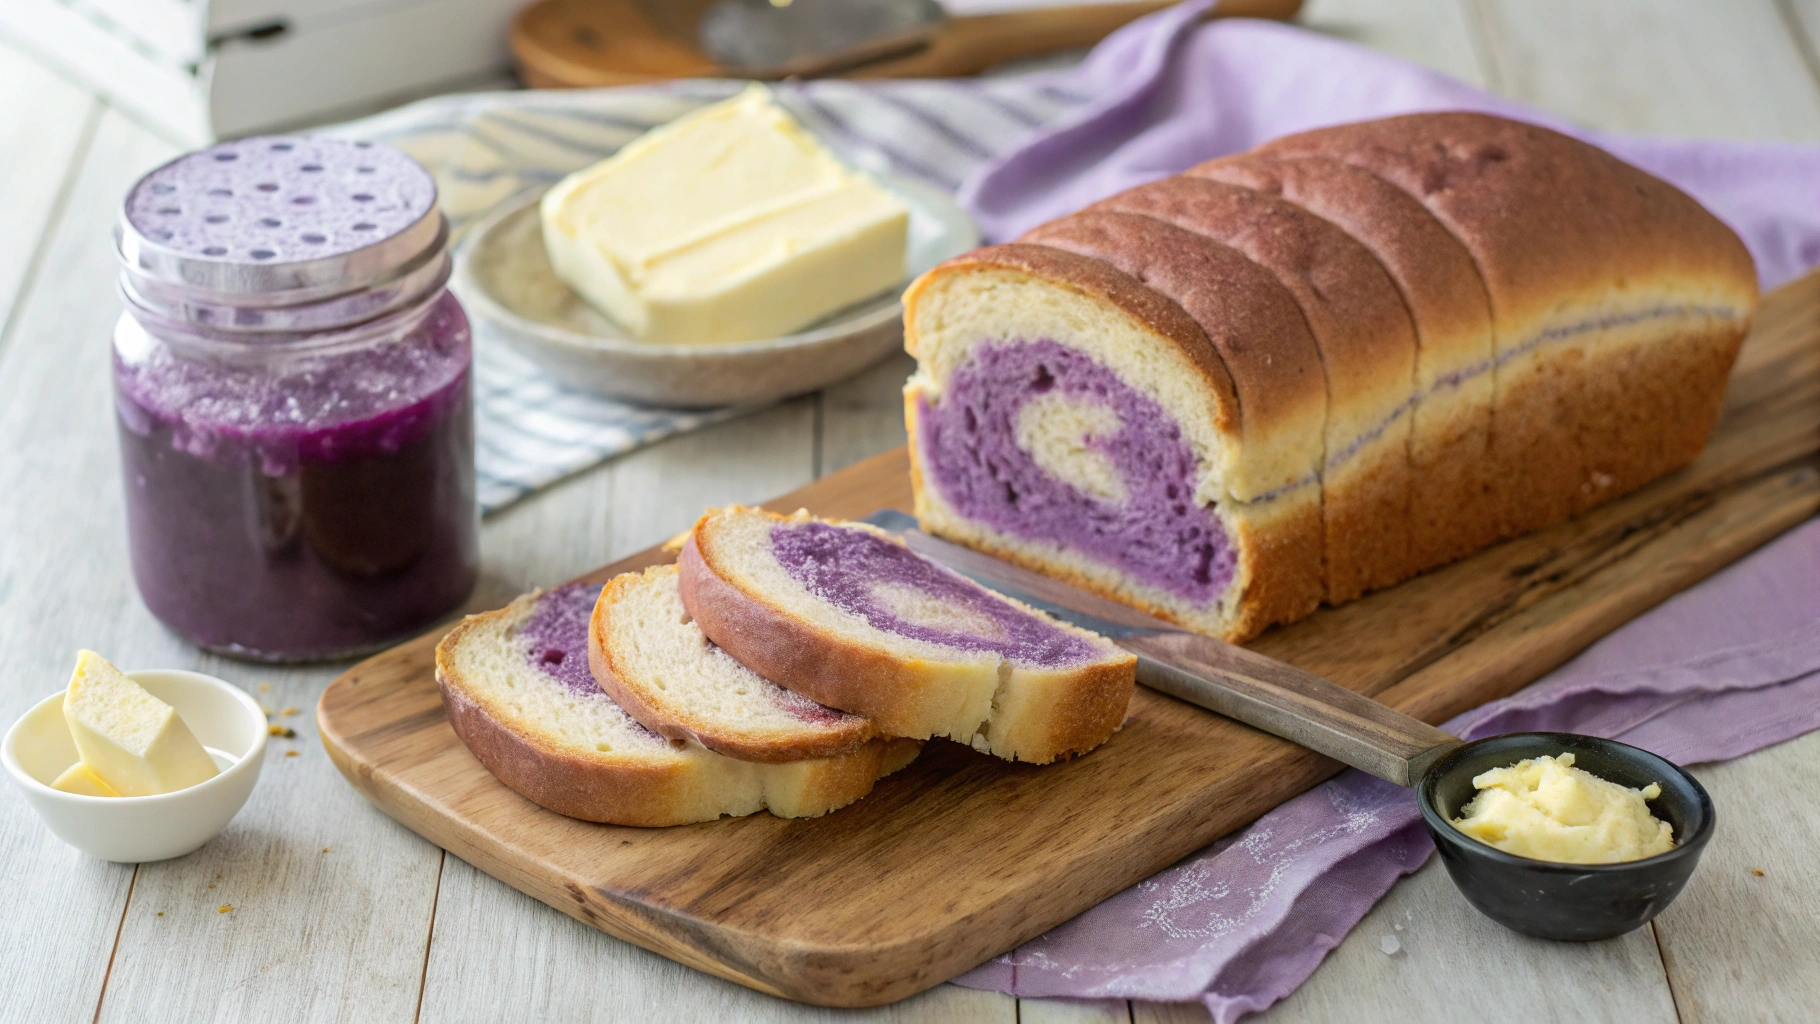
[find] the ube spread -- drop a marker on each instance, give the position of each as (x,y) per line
(897,591)
(1039,441)
(299,493)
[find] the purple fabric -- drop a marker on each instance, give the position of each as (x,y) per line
(1168,92)
(1730,666)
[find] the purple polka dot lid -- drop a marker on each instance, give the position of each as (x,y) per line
(304,209)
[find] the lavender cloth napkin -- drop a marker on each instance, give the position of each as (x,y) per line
(1728,667)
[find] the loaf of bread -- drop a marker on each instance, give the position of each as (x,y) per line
(849,616)
(1318,368)
(518,691)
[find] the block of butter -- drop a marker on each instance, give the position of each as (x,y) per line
(731,223)
(131,743)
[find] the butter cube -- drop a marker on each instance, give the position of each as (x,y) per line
(79,780)
(132,742)
(729,224)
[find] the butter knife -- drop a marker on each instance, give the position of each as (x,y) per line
(1223,678)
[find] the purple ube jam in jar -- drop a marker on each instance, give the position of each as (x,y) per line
(291,377)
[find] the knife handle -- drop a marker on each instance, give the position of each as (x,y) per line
(1285,701)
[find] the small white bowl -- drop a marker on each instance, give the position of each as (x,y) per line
(132,829)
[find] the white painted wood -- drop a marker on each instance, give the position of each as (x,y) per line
(1073,1011)
(1433,33)
(341,935)
(521,960)
(1743,946)
(62,579)
(43,125)
(300,916)
(864,416)
(1169,1013)
(1688,68)
(1446,969)
(658,492)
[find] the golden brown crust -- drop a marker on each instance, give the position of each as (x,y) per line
(1551,223)
(1545,215)
(1614,306)
(793,654)
(621,791)
(1440,287)
(668,720)
(1367,347)
(1247,316)
(1108,284)
(841,673)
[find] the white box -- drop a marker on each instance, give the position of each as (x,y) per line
(207,69)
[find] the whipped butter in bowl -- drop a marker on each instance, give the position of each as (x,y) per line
(139,766)
(1547,809)
(1564,836)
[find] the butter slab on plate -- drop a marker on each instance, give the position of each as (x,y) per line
(503,275)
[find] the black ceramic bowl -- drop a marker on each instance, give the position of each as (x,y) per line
(1577,902)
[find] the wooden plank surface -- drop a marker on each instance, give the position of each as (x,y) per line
(1688,68)
(64,910)
(1742,944)
(725,896)
(44,126)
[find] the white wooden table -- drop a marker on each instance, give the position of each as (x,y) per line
(338,913)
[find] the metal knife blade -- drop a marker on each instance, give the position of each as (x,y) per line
(1224,678)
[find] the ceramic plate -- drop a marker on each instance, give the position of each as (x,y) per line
(504,277)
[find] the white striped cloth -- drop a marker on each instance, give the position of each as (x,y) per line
(486,148)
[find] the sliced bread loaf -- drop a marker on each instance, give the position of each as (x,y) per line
(517,689)
(847,615)
(655,662)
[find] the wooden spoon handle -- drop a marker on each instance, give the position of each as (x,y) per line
(1285,701)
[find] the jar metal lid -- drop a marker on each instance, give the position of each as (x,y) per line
(277,221)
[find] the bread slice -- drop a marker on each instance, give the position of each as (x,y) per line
(517,689)
(655,662)
(847,615)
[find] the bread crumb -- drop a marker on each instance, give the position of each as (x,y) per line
(280,730)
(161,913)
(211,885)
(1757,871)
(224,908)
(263,687)
(290,753)
(325,849)
(289,710)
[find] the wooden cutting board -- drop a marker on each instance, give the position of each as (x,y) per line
(567,44)
(960,857)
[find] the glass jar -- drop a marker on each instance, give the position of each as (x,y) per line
(291,377)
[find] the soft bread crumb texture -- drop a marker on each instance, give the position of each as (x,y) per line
(582,755)
(1547,809)
(668,675)
(907,686)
